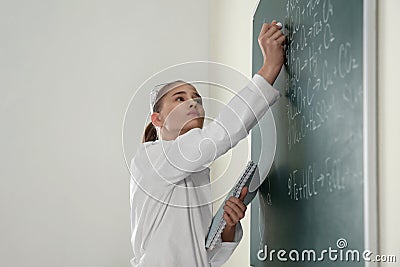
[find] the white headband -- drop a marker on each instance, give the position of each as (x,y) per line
(155,94)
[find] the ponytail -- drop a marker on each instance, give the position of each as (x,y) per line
(150,133)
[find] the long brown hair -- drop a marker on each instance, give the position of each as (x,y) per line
(150,132)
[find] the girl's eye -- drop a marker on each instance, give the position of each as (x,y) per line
(180,98)
(199,100)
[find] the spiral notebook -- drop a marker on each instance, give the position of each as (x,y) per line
(218,223)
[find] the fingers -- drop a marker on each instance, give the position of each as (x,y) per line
(243,193)
(273,31)
(281,40)
(228,219)
(277,34)
(238,209)
(234,208)
(233,217)
(265,27)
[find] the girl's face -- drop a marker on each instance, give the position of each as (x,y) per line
(181,111)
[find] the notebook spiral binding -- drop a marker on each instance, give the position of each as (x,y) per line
(249,170)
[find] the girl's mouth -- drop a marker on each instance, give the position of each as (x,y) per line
(193,112)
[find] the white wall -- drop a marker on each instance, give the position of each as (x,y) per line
(388,127)
(68,71)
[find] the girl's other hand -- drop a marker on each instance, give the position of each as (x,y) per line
(271,41)
(235,209)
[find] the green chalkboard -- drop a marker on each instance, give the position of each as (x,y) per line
(317,195)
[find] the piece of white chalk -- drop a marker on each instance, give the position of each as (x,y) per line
(279,24)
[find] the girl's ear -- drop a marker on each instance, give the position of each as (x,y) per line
(155,119)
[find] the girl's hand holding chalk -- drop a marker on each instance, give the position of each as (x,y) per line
(271,40)
(279,24)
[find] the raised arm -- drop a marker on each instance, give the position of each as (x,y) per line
(194,150)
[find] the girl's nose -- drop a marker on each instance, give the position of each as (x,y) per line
(192,103)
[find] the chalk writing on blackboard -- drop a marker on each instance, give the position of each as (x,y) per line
(308,45)
(308,182)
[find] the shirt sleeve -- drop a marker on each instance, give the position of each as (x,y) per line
(222,251)
(197,148)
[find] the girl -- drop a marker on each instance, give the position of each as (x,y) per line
(170,195)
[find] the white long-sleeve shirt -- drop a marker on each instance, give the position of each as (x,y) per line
(170,194)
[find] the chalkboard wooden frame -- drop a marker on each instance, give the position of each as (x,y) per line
(370,158)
